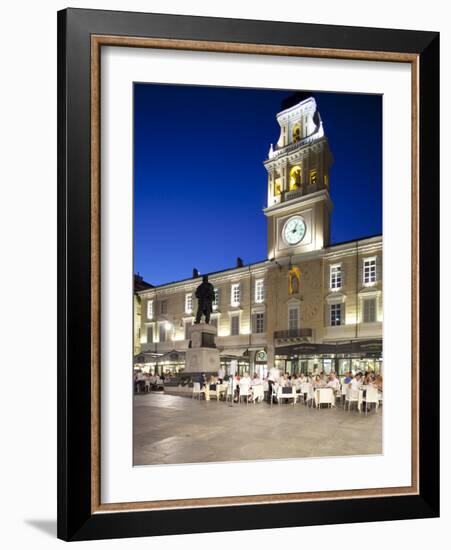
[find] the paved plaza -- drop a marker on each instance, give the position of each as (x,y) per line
(175,430)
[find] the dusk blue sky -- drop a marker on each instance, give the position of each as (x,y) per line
(200,184)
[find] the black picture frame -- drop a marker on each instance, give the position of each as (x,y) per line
(76,521)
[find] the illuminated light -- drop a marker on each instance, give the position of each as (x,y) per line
(313,177)
(167,325)
(295,177)
(372,283)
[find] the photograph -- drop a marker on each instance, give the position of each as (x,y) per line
(257,274)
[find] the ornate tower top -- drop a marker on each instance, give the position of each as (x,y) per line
(299,162)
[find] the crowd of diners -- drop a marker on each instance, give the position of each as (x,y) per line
(145,382)
(275,379)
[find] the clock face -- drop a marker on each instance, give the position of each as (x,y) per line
(294,230)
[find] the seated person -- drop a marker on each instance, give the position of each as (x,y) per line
(356,382)
(378,382)
(256,380)
(317,382)
(333,382)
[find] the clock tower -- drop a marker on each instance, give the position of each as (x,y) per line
(298,165)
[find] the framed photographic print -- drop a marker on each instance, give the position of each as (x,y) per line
(248,274)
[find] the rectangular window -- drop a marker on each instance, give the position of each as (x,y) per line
(162,332)
(150,309)
(369,310)
(259,323)
(188,303)
(369,270)
(235,294)
(188,325)
(150,334)
(235,325)
(214,322)
(216,299)
(259,291)
(163,307)
(335,277)
(293,318)
(336,315)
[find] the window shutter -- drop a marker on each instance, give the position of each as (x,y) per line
(378,268)
(254,323)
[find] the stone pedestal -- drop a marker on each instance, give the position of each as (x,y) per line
(202,355)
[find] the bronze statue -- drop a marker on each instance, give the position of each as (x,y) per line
(205,294)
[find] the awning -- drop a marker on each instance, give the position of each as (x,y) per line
(234,352)
(368,347)
(305,349)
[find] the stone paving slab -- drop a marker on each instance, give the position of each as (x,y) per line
(178,430)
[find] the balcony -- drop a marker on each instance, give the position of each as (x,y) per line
(294,194)
(293,333)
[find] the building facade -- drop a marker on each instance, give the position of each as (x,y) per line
(310,305)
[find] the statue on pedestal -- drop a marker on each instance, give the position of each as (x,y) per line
(205,294)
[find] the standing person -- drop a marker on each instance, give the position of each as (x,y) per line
(273,378)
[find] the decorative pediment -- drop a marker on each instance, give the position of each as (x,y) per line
(335,298)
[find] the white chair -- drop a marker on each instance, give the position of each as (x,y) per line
(324,395)
(307,392)
(352,396)
(281,395)
(258,393)
(344,391)
(274,393)
(197,391)
(215,392)
(245,390)
(222,390)
(371,397)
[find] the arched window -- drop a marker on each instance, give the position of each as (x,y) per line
(295,177)
(296,133)
(277,184)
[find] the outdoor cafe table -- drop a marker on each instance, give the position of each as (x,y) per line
(318,392)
